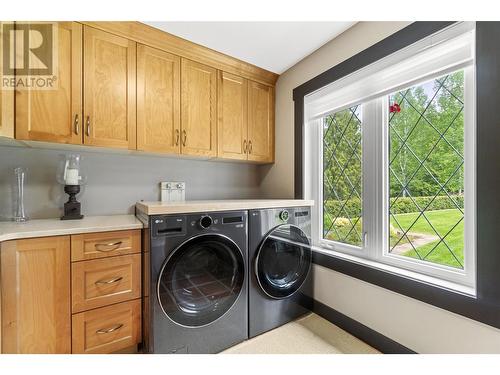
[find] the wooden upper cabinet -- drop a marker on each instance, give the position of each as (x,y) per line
(198,109)
(260,122)
(55,115)
(109,89)
(6,102)
(36,302)
(232,113)
(158,100)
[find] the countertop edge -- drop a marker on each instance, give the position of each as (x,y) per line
(49,227)
(156,208)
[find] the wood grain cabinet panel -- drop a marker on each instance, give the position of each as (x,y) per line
(158,100)
(6,102)
(232,130)
(36,306)
(260,122)
(198,109)
(106,244)
(99,282)
(55,115)
(107,329)
(109,90)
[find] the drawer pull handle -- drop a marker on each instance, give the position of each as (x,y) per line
(110,281)
(109,246)
(110,329)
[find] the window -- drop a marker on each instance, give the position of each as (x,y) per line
(389,151)
(342,184)
(426,171)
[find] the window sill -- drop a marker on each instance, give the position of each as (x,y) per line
(397,271)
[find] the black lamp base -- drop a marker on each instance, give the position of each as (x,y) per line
(72,208)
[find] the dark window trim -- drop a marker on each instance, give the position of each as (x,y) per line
(485,306)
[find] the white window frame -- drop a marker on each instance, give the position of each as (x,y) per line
(374,251)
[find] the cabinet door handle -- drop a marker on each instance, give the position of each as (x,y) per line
(77,125)
(245,146)
(185,138)
(107,246)
(249,147)
(88,126)
(110,329)
(177,137)
(109,281)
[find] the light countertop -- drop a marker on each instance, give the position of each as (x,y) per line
(55,227)
(163,208)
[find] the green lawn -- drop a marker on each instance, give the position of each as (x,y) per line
(443,221)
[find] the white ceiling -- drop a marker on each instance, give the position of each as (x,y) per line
(275,46)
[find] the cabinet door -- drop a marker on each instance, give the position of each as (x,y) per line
(36,305)
(55,115)
(260,122)
(198,109)
(6,102)
(109,90)
(232,112)
(158,100)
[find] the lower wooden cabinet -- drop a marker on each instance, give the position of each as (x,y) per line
(36,300)
(107,329)
(41,288)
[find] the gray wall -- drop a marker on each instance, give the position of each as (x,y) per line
(116,181)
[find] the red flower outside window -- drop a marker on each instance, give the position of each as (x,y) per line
(395,108)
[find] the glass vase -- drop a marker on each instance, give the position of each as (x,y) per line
(19,211)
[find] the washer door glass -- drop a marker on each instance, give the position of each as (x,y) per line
(201,280)
(283,261)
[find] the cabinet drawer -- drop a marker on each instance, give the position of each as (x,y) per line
(106,244)
(100,282)
(107,329)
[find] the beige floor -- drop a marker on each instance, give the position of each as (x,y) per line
(309,335)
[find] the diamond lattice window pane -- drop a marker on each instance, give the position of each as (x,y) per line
(342,199)
(426,171)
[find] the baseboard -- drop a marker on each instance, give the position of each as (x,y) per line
(377,340)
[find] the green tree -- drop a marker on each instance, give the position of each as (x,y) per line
(342,158)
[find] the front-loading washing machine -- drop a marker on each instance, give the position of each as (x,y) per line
(195,283)
(280,258)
